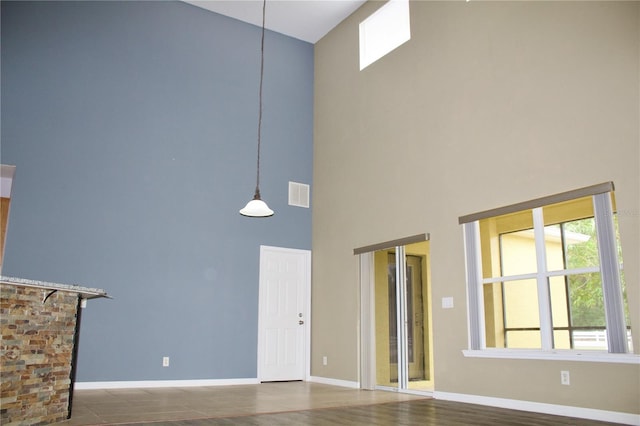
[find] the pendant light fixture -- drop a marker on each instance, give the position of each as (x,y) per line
(257,207)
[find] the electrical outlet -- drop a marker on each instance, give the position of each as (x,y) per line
(324,360)
(565,379)
(165,361)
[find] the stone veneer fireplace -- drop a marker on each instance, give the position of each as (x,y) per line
(40,325)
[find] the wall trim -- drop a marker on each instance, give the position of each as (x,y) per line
(539,407)
(164,383)
(334,382)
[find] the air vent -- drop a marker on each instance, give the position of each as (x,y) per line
(298,194)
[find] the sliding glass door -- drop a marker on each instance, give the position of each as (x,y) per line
(402,318)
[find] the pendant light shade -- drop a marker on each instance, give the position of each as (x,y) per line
(257,207)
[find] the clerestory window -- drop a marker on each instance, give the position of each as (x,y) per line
(383,31)
(547,275)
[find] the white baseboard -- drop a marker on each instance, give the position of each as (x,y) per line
(538,407)
(334,382)
(163,384)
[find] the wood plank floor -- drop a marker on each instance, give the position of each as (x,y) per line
(296,403)
(419,412)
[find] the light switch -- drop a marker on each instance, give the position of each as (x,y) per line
(447,302)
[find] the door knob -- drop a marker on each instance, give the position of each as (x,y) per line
(300,322)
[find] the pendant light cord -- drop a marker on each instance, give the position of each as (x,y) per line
(264,9)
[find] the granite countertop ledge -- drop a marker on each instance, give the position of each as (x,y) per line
(86,292)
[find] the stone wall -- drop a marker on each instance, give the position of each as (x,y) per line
(36,353)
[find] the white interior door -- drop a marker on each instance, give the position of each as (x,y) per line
(283,326)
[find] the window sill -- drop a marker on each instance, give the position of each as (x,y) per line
(556,355)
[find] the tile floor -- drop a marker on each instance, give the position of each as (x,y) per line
(112,406)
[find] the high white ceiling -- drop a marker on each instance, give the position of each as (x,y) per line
(307,20)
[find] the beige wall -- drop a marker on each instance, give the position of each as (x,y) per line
(489,104)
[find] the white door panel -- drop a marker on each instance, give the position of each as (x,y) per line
(283,325)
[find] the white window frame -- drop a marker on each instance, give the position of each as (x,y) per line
(609,270)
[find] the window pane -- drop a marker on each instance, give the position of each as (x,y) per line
(521,304)
(553,247)
(560,312)
(577,307)
(590,340)
(587,303)
(523,339)
(493,231)
(568,210)
(493,315)
(518,253)
(581,244)
(511,314)
(559,302)
(561,339)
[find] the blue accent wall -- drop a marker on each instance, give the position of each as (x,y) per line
(132,126)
